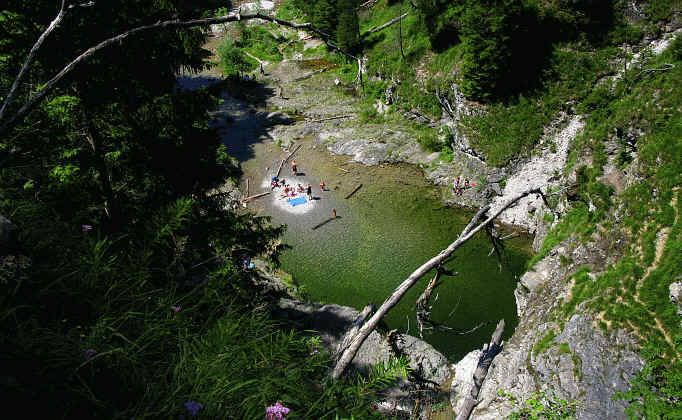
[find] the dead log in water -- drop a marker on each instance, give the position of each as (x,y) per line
(353,192)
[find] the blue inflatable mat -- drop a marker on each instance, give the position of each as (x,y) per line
(296,201)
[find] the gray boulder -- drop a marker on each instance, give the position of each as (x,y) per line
(8,235)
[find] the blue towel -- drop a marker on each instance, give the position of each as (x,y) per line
(296,201)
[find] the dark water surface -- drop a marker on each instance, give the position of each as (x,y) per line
(390,227)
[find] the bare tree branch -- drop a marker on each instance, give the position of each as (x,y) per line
(30,57)
(497,244)
(38,96)
(400,291)
(423,307)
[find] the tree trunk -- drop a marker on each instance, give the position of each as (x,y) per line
(481,371)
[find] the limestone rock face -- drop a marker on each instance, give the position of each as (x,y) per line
(542,170)
(332,321)
(676,295)
(580,363)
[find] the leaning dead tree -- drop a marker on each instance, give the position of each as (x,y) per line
(7,123)
(469,231)
(484,362)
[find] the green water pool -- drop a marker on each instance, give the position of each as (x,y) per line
(390,227)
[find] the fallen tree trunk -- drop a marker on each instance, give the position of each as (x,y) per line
(366,312)
(468,232)
(256,196)
(489,352)
(331,118)
(280,168)
(385,25)
(353,192)
(291,154)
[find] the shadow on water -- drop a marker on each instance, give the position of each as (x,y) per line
(240,122)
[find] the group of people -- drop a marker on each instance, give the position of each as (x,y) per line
(289,191)
(459,187)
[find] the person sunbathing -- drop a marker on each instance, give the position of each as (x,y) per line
(300,188)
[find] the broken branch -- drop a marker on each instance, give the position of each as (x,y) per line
(50,84)
(400,291)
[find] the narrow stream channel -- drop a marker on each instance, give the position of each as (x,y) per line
(386,230)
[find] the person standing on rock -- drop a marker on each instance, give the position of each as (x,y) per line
(294,167)
(322,186)
(455,186)
(279,91)
(309,191)
(262,72)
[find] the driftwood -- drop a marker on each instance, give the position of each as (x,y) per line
(7,123)
(345,170)
(291,154)
(489,352)
(280,168)
(385,25)
(353,192)
(330,118)
(255,196)
(468,232)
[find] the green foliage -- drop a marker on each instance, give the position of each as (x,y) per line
(258,41)
(430,141)
(347,29)
(486,43)
(544,342)
(541,405)
(324,16)
(656,390)
(441,19)
(288,11)
(233,59)
(506,130)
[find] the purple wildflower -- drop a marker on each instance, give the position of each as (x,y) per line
(193,407)
(89,353)
(86,228)
(176,308)
(276,412)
